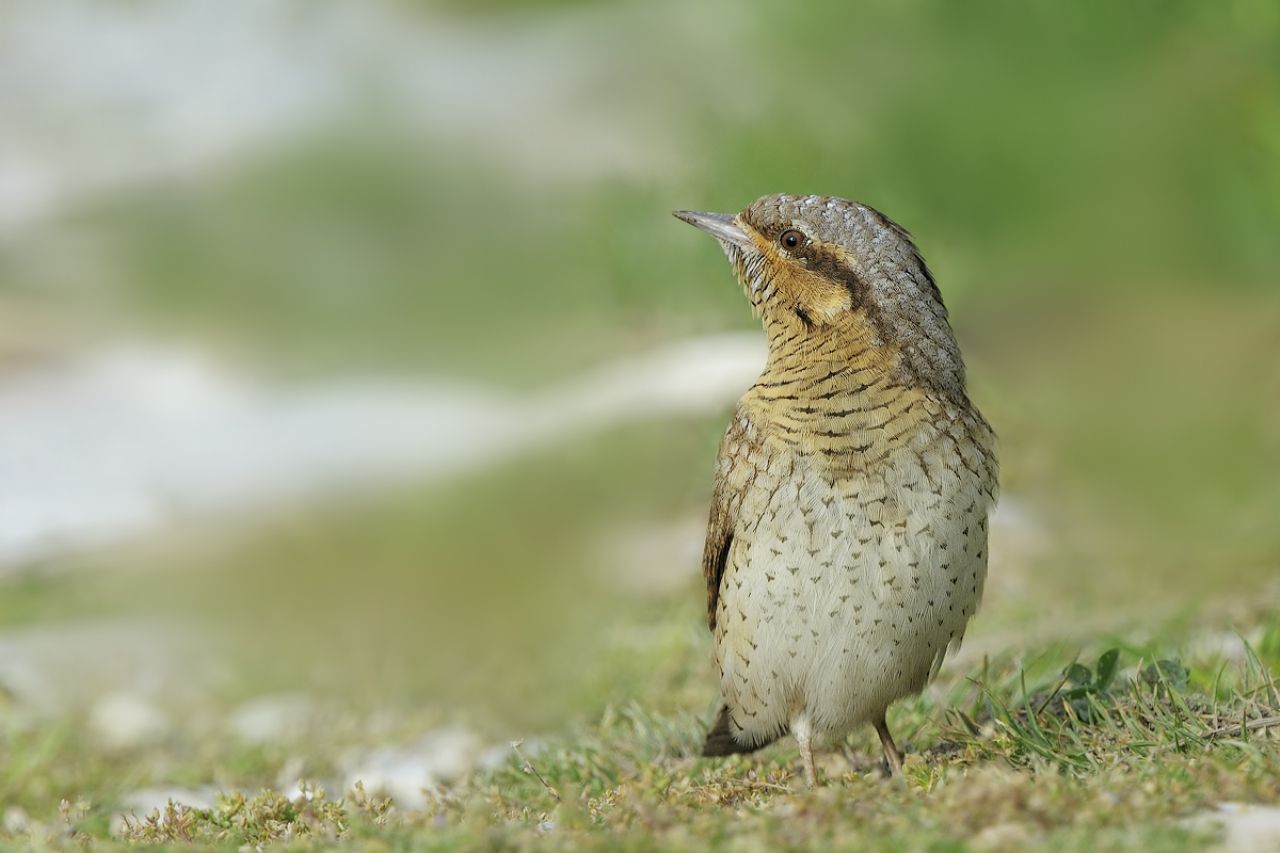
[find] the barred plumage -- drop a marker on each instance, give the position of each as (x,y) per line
(846,550)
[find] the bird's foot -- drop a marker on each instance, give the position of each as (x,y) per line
(892,756)
(800,728)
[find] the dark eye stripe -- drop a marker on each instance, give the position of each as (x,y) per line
(827,264)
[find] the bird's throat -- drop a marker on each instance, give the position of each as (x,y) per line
(832,392)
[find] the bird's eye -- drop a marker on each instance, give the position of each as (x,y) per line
(792,239)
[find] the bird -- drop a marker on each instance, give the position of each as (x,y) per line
(846,547)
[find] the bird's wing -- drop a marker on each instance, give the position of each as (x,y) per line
(734,474)
(715,553)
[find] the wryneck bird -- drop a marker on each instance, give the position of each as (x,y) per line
(847,545)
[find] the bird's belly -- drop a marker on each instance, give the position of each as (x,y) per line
(843,598)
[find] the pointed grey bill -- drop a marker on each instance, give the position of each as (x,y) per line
(723,226)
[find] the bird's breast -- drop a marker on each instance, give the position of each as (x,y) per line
(857,560)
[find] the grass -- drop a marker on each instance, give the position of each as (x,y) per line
(1094,739)
(400,614)
(1023,750)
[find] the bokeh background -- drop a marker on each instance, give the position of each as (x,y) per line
(350,357)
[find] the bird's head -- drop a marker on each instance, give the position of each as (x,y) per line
(823,271)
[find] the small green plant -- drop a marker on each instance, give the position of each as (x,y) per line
(1085,688)
(1167,674)
(1089,693)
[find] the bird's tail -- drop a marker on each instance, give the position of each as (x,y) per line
(720,739)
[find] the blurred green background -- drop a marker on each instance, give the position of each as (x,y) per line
(480,193)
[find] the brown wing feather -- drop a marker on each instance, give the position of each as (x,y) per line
(731,481)
(715,554)
(736,474)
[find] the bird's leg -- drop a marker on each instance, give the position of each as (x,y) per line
(800,728)
(892,757)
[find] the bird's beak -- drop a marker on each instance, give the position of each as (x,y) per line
(723,226)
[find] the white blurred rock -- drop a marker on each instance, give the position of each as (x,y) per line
(1226,645)
(271,718)
(409,774)
(16,820)
(124,720)
(178,437)
(1243,826)
(1003,836)
(498,756)
(240,75)
(48,669)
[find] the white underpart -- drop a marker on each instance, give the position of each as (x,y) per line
(849,626)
